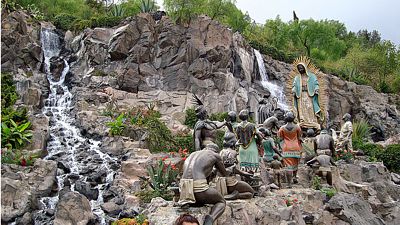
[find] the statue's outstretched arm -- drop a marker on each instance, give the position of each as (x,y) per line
(197,140)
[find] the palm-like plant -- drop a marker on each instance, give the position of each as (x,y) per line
(14,136)
(117,11)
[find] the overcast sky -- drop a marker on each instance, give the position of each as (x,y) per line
(381,15)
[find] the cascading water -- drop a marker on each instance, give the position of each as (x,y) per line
(275,90)
(66,145)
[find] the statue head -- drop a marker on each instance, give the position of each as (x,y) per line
(229,140)
(310,132)
(346,117)
(289,117)
(201,112)
(301,68)
(265,132)
(279,114)
(244,115)
(231,116)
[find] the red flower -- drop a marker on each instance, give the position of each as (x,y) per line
(163,159)
(23,162)
(184,158)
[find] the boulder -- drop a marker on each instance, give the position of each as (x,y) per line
(73,208)
(352,209)
(122,39)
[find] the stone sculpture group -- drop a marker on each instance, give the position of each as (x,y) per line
(276,145)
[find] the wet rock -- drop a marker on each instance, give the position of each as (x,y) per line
(26,219)
(111,208)
(87,190)
(395,178)
(56,67)
(73,208)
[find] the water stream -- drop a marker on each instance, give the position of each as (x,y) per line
(275,90)
(78,157)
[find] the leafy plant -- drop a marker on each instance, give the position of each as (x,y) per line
(138,220)
(162,176)
(117,126)
(16,157)
(190,118)
(15,136)
(390,157)
(64,21)
(329,192)
(361,130)
(316,182)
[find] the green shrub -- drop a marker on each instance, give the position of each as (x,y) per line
(371,150)
(64,21)
(185,142)
(117,11)
(191,118)
(105,21)
(81,24)
(8,93)
(219,116)
(316,182)
(390,157)
(138,220)
(329,192)
(117,126)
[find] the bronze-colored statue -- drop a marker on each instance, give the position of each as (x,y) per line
(291,150)
(193,185)
(276,167)
(344,141)
(247,135)
(268,143)
(308,144)
(275,122)
(324,144)
(324,169)
(204,129)
(236,189)
(306,90)
(266,107)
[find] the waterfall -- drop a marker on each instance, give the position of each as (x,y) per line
(275,90)
(66,145)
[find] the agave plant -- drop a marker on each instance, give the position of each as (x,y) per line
(361,130)
(147,6)
(117,11)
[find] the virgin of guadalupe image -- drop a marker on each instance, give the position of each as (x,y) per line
(307,94)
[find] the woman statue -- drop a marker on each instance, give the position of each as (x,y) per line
(247,135)
(291,149)
(306,102)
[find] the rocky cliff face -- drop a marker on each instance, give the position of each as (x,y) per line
(142,61)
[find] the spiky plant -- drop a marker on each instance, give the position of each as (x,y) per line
(147,6)
(361,130)
(117,11)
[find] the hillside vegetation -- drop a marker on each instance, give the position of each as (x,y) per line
(362,57)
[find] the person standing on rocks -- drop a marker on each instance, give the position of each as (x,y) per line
(291,150)
(193,185)
(344,141)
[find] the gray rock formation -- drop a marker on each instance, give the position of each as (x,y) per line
(73,208)
(21,187)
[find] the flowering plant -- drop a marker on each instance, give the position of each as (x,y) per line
(344,154)
(291,201)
